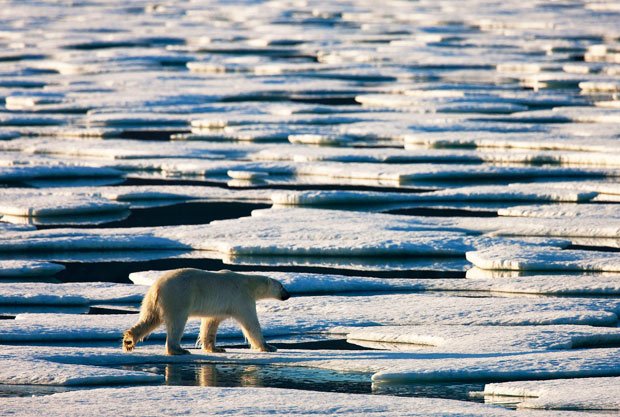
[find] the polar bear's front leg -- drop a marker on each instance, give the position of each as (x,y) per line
(252,331)
(208,334)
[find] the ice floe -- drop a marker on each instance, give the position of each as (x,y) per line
(41,204)
(70,293)
(539,365)
(28,268)
(303,314)
(178,400)
(308,283)
(41,372)
(604,211)
(480,339)
(563,394)
(544,259)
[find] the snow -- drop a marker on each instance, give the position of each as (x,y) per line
(480,339)
(23,172)
(28,268)
(69,293)
(545,365)
(457,113)
(181,400)
(601,211)
(304,314)
(39,204)
(308,283)
(563,394)
(41,372)
(515,192)
(543,259)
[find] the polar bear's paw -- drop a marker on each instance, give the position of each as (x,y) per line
(177,351)
(128,341)
(267,348)
(214,350)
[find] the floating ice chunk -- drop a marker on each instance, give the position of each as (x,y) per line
(411,172)
(543,259)
(316,139)
(600,86)
(498,340)
(136,119)
(8,134)
(42,372)
(541,365)
(316,314)
(24,172)
(69,293)
(525,67)
(26,100)
(28,268)
(563,210)
(564,394)
(307,283)
(39,204)
(247,175)
(184,400)
(589,114)
(513,140)
(25,119)
(523,192)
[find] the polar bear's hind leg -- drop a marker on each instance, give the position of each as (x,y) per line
(208,333)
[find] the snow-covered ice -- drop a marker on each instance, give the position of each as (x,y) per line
(178,400)
(316,313)
(563,394)
(544,259)
(28,268)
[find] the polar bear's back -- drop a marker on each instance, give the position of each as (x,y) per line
(205,293)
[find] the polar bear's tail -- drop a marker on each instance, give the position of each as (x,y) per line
(150,319)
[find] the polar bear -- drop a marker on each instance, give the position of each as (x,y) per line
(213,296)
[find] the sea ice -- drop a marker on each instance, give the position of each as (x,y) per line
(28,268)
(564,394)
(69,293)
(41,372)
(539,365)
(543,259)
(499,340)
(317,314)
(42,204)
(242,401)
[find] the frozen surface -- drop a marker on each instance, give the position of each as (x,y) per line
(303,314)
(41,372)
(307,283)
(43,204)
(566,394)
(445,114)
(69,293)
(28,268)
(560,364)
(601,211)
(481,339)
(541,259)
(179,400)
(298,232)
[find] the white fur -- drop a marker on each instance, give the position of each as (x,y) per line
(213,296)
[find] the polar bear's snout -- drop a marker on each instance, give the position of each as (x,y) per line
(284,295)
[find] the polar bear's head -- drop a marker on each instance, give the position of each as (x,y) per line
(277,290)
(270,288)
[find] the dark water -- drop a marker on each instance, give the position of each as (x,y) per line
(244,375)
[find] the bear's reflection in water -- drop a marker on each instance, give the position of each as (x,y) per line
(312,379)
(235,375)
